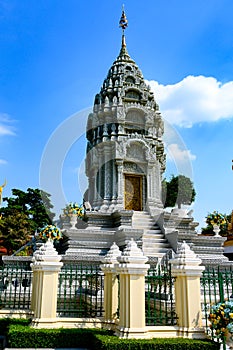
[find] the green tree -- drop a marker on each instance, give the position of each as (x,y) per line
(15,231)
(179,190)
(24,213)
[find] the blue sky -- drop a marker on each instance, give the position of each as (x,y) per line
(54,56)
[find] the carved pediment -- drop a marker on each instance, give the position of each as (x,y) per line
(135,117)
(134,168)
(136,150)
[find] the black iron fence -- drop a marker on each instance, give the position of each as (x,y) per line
(15,287)
(80,291)
(216,286)
(160,305)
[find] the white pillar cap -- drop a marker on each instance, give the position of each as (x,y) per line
(185,257)
(46,253)
(132,254)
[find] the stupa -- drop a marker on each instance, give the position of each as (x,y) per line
(125,161)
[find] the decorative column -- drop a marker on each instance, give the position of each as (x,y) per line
(150,180)
(107,175)
(100,178)
(111,285)
(186,269)
(46,266)
(114,183)
(132,269)
(120,199)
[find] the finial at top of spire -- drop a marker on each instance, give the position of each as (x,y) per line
(123,24)
(123,21)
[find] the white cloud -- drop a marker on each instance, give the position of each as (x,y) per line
(5,130)
(180,158)
(178,154)
(5,125)
(3,162)
(194,100)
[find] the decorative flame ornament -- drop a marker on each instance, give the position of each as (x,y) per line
(123,21)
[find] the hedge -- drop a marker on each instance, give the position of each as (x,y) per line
(6,322)
(103,342)
(26,337)
(20,335)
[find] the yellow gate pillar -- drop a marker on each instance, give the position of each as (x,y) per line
(110,285)
(186,269)
(132,270)
(46,266)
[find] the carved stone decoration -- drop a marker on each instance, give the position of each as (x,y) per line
(159,125)
(114,101)
(120,113)
(121,129)
(150,155)
(133,116)
(130,167)
(150,117)
(106,102)
(135,151)
(120,150)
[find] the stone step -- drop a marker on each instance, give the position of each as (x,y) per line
(143,224)
(154,251)
(146,228)
(157,247)
(151,234)
(137,216)
(140,213)
(153,242)
(153,231)
(157,238)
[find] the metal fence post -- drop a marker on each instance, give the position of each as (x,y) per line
(221,288)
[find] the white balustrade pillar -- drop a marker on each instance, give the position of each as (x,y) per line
(187,271)
(132,270)
(46,266)
(110,284)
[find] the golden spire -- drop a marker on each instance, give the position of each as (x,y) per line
(1,189)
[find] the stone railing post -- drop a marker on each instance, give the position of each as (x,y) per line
(132,270)
(45,266)
(110,284)
(185,267)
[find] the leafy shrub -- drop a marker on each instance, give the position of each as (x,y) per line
(20,335)
(6,322)
(103,342)
(26,337)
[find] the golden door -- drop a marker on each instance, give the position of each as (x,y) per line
(133,192)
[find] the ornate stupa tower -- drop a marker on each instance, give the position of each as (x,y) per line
(125,153)
(125,161)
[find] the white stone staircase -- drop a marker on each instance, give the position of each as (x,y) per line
(154,244)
